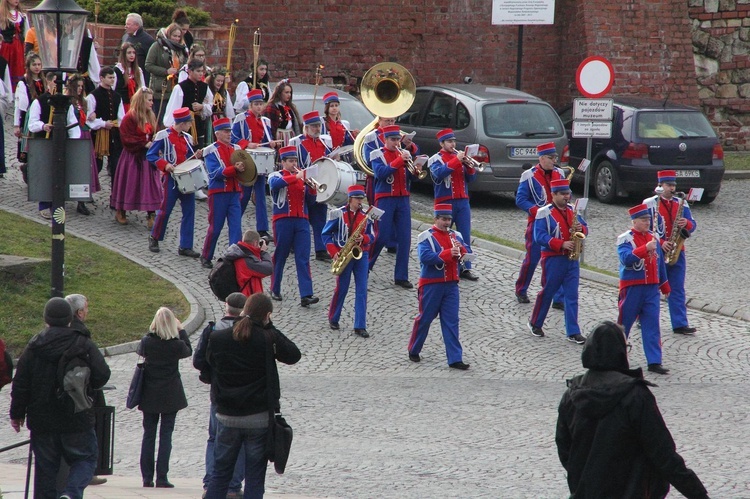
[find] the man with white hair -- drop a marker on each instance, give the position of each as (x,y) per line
(142,41)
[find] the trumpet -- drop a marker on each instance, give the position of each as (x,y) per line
(470,162)
(456,244)
(420,174)
(314,184)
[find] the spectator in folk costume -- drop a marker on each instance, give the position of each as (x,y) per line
(334,125)
(13,30)
(642,276)
(171,147)
(197,51)
(282,112)
(233,306)
(440,252)
(392,191)
(291,229)
(311,146)
(252,262)
(451,175)
(223,190)
(553,228)
(88,63)
(341,226)
(6,98)
(106,113)
(666,208)
(249,131)
(128,76)
(40,125)
(533,193)
(28,89)
(222,107)
(194,94)
(74,88)
(246,85)
(136,185)
(138,38)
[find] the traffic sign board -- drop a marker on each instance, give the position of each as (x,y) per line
(592,109)
(592,129)
(595,77)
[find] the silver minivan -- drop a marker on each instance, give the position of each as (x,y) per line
(507,124)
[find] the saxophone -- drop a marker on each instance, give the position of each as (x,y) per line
(577,238)
(349,250)
(678,235)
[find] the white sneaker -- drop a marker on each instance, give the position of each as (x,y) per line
(200,195)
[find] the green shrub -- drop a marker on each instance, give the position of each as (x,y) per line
(155,13)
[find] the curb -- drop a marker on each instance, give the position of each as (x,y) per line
(736,175)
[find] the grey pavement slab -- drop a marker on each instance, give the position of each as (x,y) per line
(370,423)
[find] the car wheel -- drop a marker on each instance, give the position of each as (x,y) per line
(708,199)
(605,182)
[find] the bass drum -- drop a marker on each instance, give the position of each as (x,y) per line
(337,177)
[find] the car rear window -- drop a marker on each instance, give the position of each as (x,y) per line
(673,125)
(521,120)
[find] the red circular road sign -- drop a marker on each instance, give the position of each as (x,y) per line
(595,77)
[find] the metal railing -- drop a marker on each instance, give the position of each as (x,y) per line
(28,462)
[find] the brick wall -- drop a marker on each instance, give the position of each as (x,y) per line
(650,44)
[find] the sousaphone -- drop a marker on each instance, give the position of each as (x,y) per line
(387,90)
(250,174)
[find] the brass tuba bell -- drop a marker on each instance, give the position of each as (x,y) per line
(387,90)
(250,174)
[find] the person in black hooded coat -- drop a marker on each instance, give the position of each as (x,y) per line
(611,438)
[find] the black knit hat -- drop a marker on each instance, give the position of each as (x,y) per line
(57,312)
(236,300)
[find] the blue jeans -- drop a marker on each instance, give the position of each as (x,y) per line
(148,445)
(78,449)
(227,447)
(239,468)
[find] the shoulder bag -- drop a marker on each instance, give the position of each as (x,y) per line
(135,391)
(280,434)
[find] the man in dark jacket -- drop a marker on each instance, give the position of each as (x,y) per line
(56,433)
(252,262)
(142,41)
(611,438)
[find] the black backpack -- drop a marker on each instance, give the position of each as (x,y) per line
(73,388)
(223,279)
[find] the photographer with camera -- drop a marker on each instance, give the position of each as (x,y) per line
(252,262)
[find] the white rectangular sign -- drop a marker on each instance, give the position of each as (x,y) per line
(592,109)
(593,129)
(523,12)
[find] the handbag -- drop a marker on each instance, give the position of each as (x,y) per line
(280,433)
(135,392)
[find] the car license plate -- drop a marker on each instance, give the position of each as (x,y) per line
(688,173)
(360,176)
(523,152)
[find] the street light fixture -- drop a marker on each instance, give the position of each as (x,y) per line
(60,27)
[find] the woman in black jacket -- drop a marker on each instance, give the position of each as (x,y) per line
(239,387)
(163,394)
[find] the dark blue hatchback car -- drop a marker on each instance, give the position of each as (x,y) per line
(649,135)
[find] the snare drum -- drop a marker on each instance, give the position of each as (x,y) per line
(264,158)
(190,176)
(343,153)
(338,177)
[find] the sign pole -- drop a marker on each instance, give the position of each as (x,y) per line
(519,57)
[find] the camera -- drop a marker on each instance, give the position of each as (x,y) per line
(265,240)
(468,79)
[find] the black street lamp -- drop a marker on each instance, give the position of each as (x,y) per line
(60,26)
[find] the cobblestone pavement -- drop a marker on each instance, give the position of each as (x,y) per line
(369,423)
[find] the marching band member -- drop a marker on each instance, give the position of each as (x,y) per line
(553,226)
(642,276)
(392,184)
(291,229)
(246,85)
(108,113)
(667,218)
(223,190)
(342,223)
(194,94)
(451,178)
(311,146)
(373,142)
(440,252)
(250,130)
(333,125)
(170,147)
(534,193)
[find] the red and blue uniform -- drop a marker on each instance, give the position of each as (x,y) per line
(223,196)
(291,229)
(341,223)
(533,193)
(172,146)
(248,128)
(309,150)
(338,131)
(392,191)
(642,276)
(452,180)
(551,229)
(438,291)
